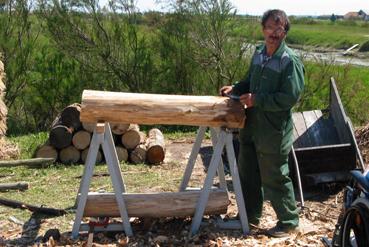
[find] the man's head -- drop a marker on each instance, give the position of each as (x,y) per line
(275,25)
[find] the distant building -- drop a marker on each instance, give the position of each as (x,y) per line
(360,15)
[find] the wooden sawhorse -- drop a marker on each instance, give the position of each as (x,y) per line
(102,136)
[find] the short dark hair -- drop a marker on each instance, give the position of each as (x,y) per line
(279,16)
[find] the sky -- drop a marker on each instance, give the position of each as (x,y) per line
(291,7)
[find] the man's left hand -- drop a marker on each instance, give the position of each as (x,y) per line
(247,99)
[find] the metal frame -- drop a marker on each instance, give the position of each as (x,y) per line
(105,139)
(221,138)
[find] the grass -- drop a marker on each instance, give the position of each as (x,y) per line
(340,35)
(57,185)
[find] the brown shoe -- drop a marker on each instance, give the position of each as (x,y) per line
(279,232)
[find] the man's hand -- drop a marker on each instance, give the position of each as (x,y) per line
(225,90)
(247,99)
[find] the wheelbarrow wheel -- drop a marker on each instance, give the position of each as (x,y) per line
(355,226)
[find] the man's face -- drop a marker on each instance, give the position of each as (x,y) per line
(274,33)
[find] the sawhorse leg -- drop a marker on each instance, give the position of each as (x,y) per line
(102,136)
(224,139)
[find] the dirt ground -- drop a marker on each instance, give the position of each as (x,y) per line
(322,208)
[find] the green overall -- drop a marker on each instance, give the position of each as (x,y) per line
(266,139)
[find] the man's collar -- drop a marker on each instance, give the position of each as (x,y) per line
(278,53)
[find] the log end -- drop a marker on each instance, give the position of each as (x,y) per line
(155,155)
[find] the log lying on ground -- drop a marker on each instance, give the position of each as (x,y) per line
(155,205)
(89,126)
(47,151)
(60,136)
(213,111)
(84,154)
(133,137)
(14,186)
(155,144)
(70,116)
(81,139)
(122,153)
(27,162)
(32,208)
(69,155)
(119,128)
(138,155)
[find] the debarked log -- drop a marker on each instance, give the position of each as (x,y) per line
(213,111)
(156,205)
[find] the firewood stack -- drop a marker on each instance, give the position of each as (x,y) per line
(69,141)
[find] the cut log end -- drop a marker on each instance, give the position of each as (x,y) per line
(60,136)
(155,155)
(69,155)
(138,155)
(81,140)
(122,153)
(47,151)
(84,153)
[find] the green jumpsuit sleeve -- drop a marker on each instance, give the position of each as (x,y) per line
(243,86)
(289,92)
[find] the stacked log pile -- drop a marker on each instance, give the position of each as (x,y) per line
(69,141)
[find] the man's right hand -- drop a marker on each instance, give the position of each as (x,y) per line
(225,90)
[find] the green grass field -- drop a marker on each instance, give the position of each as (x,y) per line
(339,35)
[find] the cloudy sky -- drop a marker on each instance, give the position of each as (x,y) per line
(292,7)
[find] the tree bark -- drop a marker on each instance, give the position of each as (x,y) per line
(133,137)
(84,154)
(70,116)
(122,153)
(156,205)
(32,208)
(213,111)
(81,139)
(26,162)
(138,155)
(119,128)
(47,151)
(14,186)
(155,144)
(69,155)
(60,136)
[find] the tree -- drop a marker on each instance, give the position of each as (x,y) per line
(107,42)
(333,18)
(220,54)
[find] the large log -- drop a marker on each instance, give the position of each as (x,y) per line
(46,151)
(155,205)
(69,155)
(138,155)
(133,137)
(84,154)
(60,136)
(214,111)
(155,144)
(81,139)
(70,116)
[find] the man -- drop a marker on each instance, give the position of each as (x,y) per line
(271,88)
